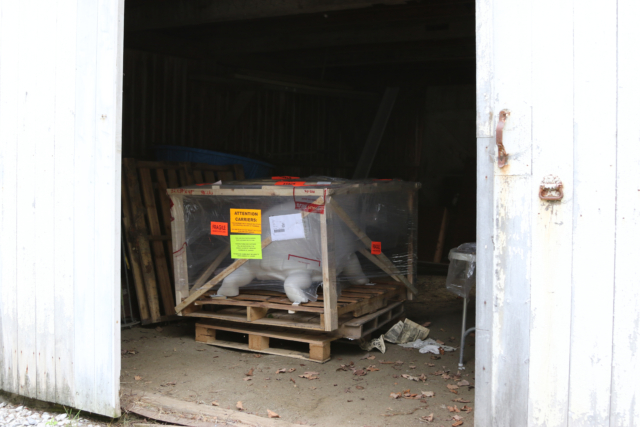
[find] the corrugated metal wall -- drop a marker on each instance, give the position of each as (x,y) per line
(301,134)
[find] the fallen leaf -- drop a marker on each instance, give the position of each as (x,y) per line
(272,414)
(431,365)
(441,350)
(168,384)
(461,400)
(399,362)
(412,367)
(215,404)
(246,379)
(360,373)
(409,377)
(428,393)
(281,371)
(250,373)
(159,329)
(342,368)
(395,395)
(426,324)
(239,405)
(457,423)
(257,355)
(137,378)
(428,418)
(309,375)
(423,378)
(292,380)
(467,408)
(452,386)
(291,370)
(435,357)
(453,408)
(463,383)
(372,368)
(446,376)
(359,387)
(371,358)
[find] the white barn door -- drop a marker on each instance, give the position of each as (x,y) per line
(558,299)
(60,113)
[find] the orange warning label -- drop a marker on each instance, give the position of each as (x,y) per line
(294,183)
(219,228)
(376,248)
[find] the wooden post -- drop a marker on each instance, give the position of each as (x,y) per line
(328,269)
(441,236)
(320,352)
(258,342)
(411,252)
(178,239)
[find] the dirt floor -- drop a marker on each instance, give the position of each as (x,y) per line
(168,361)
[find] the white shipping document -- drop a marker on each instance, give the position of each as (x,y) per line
(286,227)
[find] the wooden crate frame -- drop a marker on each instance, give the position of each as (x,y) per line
(146,219)
(332,212)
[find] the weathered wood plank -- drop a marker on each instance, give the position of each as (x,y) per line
(329,291)
(106,298)
(42,93)
(84,212)
(10,25)
(64,220)
(626,335)
(552,227)
(594,201)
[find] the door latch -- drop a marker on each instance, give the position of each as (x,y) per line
(551,188)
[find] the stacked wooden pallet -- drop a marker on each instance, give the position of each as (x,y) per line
(147,223)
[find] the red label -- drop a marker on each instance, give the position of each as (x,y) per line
(204,183)
(303,260)
(294,183)
(376,248)
(219,228)
(285,177)
(310,200)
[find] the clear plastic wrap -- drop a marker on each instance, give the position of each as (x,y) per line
(229,221)
(462,269)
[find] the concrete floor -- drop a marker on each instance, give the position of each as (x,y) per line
(167,360)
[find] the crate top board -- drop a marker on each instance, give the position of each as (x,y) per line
(289,187)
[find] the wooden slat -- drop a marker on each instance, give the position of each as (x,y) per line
(134,256)
(309,338)
(215,301)
(165,211)
(329,287)
(162,270)
(142,243)
(625,395)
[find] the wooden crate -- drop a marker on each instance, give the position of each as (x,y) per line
(270,308)
(146,220)
(258,339)
(190,299)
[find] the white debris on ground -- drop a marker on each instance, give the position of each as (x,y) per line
(428,346)
(15,415)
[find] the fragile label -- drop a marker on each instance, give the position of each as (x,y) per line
(246,247)
(294,183)
(219,229)
(376,248)
(246,221)
(303,260)
(309,199)
(286,227)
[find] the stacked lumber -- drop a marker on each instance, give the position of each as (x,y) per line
(147,220)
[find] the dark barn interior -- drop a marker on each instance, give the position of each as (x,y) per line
(298,84)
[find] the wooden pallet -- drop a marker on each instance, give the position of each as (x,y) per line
(259,336)
(362,327)
(271,308)
(147,223)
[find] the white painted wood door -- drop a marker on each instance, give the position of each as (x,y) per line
(558,300)
(60,115)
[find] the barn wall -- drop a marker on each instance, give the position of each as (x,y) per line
(60,99)
(558,303)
